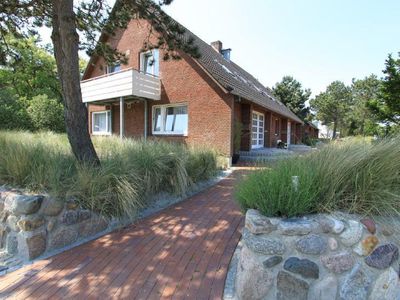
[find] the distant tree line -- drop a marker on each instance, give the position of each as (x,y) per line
(369,106)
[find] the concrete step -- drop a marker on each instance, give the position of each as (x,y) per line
(266,152)
(245,158)
(299,147)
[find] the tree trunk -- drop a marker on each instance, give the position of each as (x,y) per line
(66,46)
(334,130)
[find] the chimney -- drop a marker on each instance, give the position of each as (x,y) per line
(217,46)
(226,53)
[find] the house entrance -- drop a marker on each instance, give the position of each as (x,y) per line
(257,131)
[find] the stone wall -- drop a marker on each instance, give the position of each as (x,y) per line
(33,225)
(317,257)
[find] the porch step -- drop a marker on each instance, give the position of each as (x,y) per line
(300,148)
(264,155)
(266,152)
(261,159)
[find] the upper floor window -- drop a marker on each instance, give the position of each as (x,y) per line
(113,68)
(101,122)
(170,119)
(149,62)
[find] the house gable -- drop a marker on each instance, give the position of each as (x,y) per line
(182,81)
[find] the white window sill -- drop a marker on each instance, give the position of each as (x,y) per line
(101,133)
(170,133)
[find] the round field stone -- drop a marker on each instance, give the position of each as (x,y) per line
(290,287)
(51,207)
(304,267)
(386,286)
(296,226)
(30,223)
(338,263)
(272,261)
(352,234)
(31,246)
(332,243)
(70,217)
(383,256)
(330,224)
(262,244)
(256,223)
(355,285)
(369,224)
(19,204)
(252,281)
(62,237)
(312,244)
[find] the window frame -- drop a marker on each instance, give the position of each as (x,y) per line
(108,122)
(144,55)
(163,110)
(108,68)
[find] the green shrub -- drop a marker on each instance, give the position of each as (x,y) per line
(309,141)
(46,114)
(13,113)
(201,164)
(131,170)
(352,175)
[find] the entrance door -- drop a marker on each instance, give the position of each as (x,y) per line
(257,132)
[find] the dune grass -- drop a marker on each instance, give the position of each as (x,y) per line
(355,176)
(131,170)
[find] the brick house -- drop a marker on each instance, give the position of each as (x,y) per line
(193,101)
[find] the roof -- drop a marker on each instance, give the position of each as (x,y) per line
(236,80)
(311,124)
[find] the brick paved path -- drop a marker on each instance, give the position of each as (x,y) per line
(182,252)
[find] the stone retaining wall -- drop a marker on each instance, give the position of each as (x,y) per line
(33,225)
(317,257)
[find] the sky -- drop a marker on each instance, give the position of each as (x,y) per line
(315,41)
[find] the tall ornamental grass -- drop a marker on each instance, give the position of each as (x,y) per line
(355,176)
(131,170)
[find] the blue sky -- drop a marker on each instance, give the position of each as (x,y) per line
(317,42)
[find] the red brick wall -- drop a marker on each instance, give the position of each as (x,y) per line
(245,143)
(134,119)
(183,81)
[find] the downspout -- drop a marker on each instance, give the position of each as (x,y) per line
(145,120)
(121,117)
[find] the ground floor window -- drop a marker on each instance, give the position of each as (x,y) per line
(101,122)
(170,119)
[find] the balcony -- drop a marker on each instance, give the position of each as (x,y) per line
(124,83)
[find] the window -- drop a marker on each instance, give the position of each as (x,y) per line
(101,122)
(150,62)
(276,126)
(170,119)
(113,68)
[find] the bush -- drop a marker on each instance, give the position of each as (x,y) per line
(46,114)
(309,141)
(131,170)
(355,176)
(13,113)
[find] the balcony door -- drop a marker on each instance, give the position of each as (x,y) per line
(257,131)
